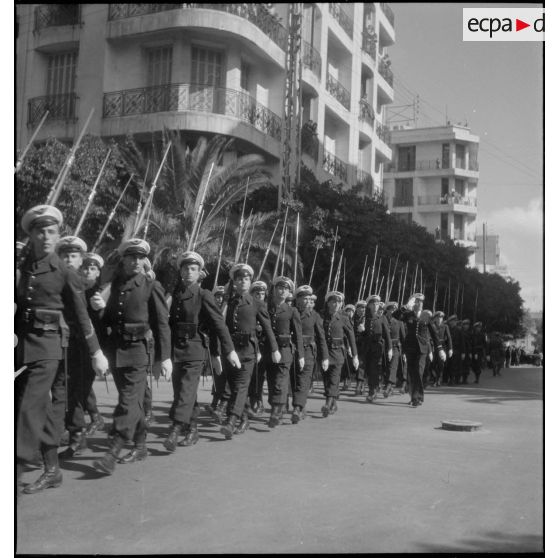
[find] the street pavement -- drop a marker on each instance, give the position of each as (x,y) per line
(380,477)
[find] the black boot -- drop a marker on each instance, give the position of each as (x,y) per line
(107,463)
(259,408)
(51,477)
(192,435)
(274,417)
(139,453)
(65,439)
(295,417)
(325,408)
(228,428)
(172,438)
(97,423)
(148,418)
(333,406)
(244,424)
(77,445)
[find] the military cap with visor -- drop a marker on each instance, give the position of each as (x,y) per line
(258,286)
(71,244)
(93,259)
(41,216)
(241,270)
(134,246)
(336,295)
(190,257)
(304,290)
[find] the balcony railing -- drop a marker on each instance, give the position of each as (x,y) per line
(50,15)
(311,58)
(333,165)
(473,165)
(365,178)
(389,13)
(342,18)
(258,14)
(459,236)
(403,201)
(60,107)
(386,72)
(366,113)
(447,199)
(382,132)
(338,91)
(369,44)
(182,97)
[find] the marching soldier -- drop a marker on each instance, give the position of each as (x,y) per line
(242,315)
(454,365)
(137,321)
(336,327)
(397,335)
(346,371)
(46,290)
(376,339)
(466,347)
(315,376)
(478,349)
(285,322)
(255,392)
(496,353)
(358,326)
(444,335)
(417,345)
(315,349)
(192,308)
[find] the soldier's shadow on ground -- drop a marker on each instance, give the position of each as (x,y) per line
(77,464)
(489,541)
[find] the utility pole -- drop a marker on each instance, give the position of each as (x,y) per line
(484,247)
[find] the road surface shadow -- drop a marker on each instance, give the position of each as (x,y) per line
(476,394)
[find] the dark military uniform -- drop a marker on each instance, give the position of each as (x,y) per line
(440,367)
(360,343)
(454,362)
(478,350)
(315,349)
(192,308)
(242,315)
(497,353)
(466,349)
(397,335)
(137,316)
(416,347)
(377,340)
(46,290)
(336,327)
(285,321)
(255,390)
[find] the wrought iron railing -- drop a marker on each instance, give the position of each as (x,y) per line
(338,91)
(382,131)
(342,18)
(403,201)
(369,44)
(365,178)
(447,199)
(50,15)
(258,14)
(385,71)
(311,58)
(60,107)
(309,142)
(182,97)
(389,12)
(366,113)
(335,166)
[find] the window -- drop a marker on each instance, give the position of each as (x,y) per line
(460,186)
(460,156)
(403,192)
(445,156)
(244,76)
(159,66)
(207,66)
(61,73)
(444,225)
(445,187)
(458,227)
(406,158)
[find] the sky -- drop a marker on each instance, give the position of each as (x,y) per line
(497,88)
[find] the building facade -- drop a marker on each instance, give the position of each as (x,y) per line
(433,181)
(211,69)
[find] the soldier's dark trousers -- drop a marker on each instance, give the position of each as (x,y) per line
(465,369)
(255,391)
(239,381)
(455,368)
(81,378)
(476,365)
(147,398)
(374,369)
(129,414)
(278,377)
(303,378)
(37,426)
(91,402)
(438,368)
(394,365)
(415,370)
(185,382)
(221,390)
(333,374)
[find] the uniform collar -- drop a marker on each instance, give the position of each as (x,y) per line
(131,282)
(46,263)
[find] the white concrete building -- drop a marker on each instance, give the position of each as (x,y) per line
(433,180)
(211,68)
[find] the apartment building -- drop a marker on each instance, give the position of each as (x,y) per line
(433,180)
(212,69)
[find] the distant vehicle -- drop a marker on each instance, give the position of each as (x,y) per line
(532,358)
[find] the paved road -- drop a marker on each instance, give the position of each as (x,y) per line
(373,478)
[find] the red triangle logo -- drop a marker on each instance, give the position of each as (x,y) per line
(519,25)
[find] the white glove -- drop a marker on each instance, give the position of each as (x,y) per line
(404,358)
(450,353)
(430,356)
(390,354)
(301,363)
(462,356)
(325,364)
(100,363)
(232,357)
(442,355)
(97,302)
(258,356)
(276,357)
(218,366)
(476,357)
(355,361)
(360,328)
(166,369)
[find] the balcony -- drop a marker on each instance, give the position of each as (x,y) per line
(183,97)
(382,132)
(388,13)
(333,165)
(384,67)
(447,199)
(60,107)
(402,201)
(258,14)
(342,18)
(369,44)
(309,142)
(473,165)
(311,59)
(51,15)
(366,114)
(338,91)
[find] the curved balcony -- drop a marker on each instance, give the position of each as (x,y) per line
(366,114)
(185,97)
(448,202)
(382,132)
(388,13)
(341,17)
(258,14)
(334,87)
(54,15)
(309,142)
(60,107)
(335,166)
(386,72)
(311,59)
(369,44)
